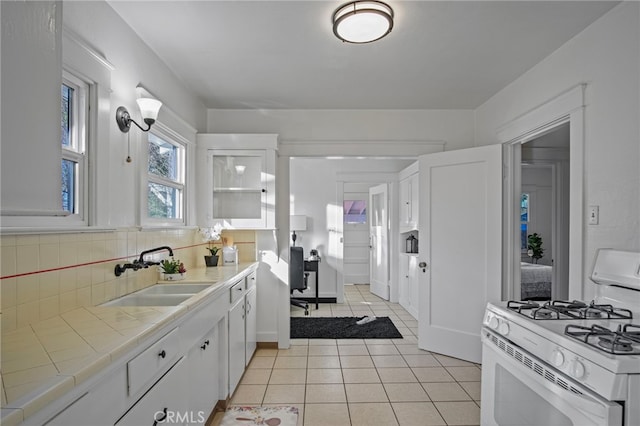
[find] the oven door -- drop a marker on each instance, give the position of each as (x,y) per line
(519,389)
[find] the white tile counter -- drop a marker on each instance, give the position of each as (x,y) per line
(43,361)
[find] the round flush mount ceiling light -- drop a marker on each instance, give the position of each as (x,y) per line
(362,21)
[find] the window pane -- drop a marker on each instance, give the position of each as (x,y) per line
(163,158)
(66,109)
(69,185)
(524,208)
(163,201)
(355,211)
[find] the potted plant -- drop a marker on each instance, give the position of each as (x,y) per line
(212,260)
(210,235)
(172,269)
(534,247)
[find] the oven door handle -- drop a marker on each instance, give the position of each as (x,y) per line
(591,405)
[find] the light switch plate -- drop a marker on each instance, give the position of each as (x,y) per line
(594,215)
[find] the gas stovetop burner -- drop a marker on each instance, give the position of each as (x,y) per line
(625,340)
(615,344)
(562,309)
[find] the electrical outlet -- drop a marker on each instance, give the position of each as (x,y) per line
(594,215)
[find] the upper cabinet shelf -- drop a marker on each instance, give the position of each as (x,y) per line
(240,182)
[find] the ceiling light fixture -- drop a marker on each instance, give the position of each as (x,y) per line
(362,21)
(149,109)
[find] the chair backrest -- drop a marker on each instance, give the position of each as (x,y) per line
(296,269)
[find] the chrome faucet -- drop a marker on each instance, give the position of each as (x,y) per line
(140,262)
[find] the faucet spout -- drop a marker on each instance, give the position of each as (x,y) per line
(153,250)
(140,262)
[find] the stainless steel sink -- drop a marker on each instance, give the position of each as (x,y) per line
(137,299)
(174,289)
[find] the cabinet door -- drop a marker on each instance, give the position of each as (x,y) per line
(414,201)
(203,375)
(236,344)
(405,203)
(165,403)
(414,282)
(403,281)
(240,188)
(251,324)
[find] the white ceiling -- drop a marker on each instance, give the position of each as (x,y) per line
(283,54)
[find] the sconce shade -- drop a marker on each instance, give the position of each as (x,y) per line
(149,108)
(298,222)
(362,21)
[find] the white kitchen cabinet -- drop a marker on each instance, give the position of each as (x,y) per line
(164,402)
(239,171)
(101,405)
(409,193)
(237,341)
(409,283)
(251,324)
(204,375)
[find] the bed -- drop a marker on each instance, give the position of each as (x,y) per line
(535,282)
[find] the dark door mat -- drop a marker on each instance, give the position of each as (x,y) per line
(342,328)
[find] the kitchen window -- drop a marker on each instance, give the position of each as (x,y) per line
(165,178)
(74,106)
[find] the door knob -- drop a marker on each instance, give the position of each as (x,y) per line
(423,265)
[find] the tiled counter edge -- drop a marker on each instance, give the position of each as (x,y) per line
(140,326)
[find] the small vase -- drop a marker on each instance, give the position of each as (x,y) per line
(173,277)
(211,260)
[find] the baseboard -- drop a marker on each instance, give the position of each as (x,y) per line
(267,345)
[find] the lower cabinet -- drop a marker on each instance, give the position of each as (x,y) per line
(251,325)
(236,344)
(203,376)
(409,283)
(163,403)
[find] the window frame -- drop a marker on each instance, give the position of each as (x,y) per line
(79,147)
(169,136)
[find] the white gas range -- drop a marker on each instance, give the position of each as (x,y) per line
(567,362)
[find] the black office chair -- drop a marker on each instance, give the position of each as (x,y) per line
(297,277)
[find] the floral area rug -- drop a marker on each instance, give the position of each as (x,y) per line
(263,416)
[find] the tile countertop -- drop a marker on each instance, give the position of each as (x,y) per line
(43,361)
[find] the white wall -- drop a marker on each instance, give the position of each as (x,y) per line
(606,56)
(313,185)
(32,53)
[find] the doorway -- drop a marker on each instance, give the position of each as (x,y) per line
(544,215)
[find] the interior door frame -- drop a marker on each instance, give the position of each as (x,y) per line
(567,107)
(374,179)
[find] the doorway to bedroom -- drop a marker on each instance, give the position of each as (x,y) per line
(544,215)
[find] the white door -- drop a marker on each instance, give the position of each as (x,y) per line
(378,244)
(460,247)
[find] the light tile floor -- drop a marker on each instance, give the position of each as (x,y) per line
(336,382)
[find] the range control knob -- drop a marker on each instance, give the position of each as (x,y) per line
(493,322)
(576,369)
(504,328)
(557,357)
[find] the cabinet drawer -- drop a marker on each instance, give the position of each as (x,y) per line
(251,280)
(155,360)
(164,403)
(236,292)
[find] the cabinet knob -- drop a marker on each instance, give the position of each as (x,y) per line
(206,342)
(162,354)
(203,347)
(264,190)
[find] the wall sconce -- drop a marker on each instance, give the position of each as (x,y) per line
(297,222)
(149,109)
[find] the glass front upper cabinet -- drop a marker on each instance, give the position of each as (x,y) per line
(240,189)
